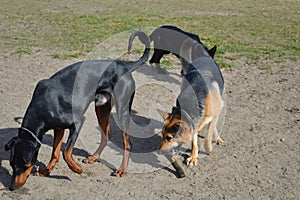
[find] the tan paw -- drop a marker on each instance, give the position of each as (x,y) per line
(90,160)
(76,168)
(220,141)
(193,160)
(119,173)
(43,172)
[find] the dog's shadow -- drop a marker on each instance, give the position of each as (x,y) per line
(5,135)
(143,149)
(166,77)
(144,146)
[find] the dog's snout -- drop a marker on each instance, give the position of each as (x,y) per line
(12,185)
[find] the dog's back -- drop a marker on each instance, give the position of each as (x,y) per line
(68,92)
(210,72)
(202,78)
(165,30)
(170,38)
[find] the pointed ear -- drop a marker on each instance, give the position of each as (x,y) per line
(163,114)
(212,51)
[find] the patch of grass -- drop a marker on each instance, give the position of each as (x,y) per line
(22,51)
(256,30)
(66,56)
(265,67)
(167,64)
(224,64)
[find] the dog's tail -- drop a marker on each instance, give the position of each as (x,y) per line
(143,37)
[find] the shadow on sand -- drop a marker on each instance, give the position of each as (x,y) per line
(143,149)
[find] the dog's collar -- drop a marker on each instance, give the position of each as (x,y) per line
(184,115)
(32,134)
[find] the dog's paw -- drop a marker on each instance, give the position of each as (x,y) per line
(43,172)
(89,160)
(119,173)
(76,168)
(192,161)
(220,141)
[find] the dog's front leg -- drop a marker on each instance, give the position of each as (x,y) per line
(58,136)
(67,152)
(193,159)
(123,168)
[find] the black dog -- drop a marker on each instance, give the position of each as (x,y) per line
(60,102)
(168,39)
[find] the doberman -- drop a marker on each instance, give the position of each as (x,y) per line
(169,39)
(199,102)
(60,102)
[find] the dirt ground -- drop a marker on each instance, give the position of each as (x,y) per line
(260,158)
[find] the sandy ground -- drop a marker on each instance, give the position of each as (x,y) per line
(260,158)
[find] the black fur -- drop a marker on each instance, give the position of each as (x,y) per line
(168,39)
(61,101)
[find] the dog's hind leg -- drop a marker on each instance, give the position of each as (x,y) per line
(57,143)
(67,152)
(123,108)
(218,139)
(215,104)
(212,130)
(216,134)
(208,140)
(103,113)
(123,168)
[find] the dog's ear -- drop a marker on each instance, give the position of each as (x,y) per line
(163,114)
(10,143)
(212,51)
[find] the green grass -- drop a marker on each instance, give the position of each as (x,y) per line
(167,64)
(255,30)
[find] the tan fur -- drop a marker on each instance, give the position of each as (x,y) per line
(55,154)
(213,105)
(74,166)
(213,109)
(103,113)
(21,179)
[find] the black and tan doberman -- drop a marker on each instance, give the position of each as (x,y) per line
(60,102)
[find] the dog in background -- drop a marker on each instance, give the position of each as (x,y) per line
(60,102)
(199,103)
(169,39)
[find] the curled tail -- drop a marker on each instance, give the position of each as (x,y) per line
(143,37)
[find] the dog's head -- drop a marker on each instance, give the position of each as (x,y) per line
(176,131)
(23,155)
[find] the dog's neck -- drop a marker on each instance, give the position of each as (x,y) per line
(184,116)
(32,134)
